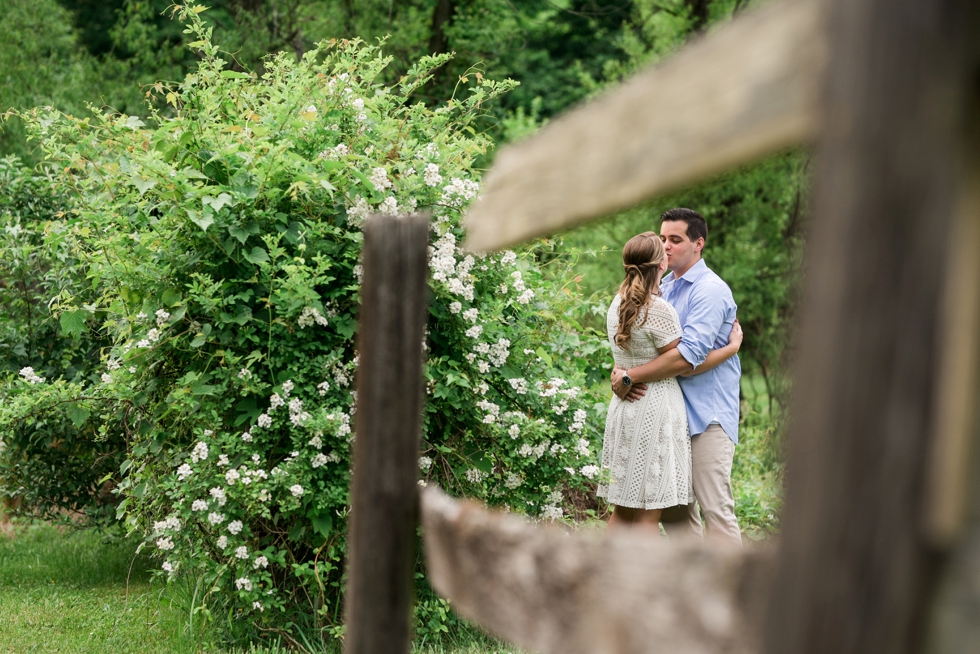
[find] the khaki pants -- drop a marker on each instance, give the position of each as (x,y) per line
(712,452)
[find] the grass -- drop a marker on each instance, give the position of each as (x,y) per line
(85,592)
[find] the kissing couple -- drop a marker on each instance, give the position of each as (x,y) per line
(672,422)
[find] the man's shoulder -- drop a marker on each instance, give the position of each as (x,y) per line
(710,283)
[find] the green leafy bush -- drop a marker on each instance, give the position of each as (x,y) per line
(220,252)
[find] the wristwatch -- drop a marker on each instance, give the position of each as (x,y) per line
(627,380)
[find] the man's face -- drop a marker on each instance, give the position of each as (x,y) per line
(682,252)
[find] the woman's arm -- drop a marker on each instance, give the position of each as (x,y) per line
(716,357)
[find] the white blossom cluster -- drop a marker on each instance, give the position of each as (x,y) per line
(379,177)
(590,471)
(519,384)
(309,316)
(425,463)
(512,481)
(492,411)
(432,176)
(200,452)
(244,373)
(171,523)
(551,509)
(162,317)
(499,352)
(28,374)
(475,476)
(459,191)
(578,420)
(582,447)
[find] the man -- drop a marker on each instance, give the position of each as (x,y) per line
(706,309)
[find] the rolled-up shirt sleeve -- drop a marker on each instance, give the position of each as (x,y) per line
(704,321)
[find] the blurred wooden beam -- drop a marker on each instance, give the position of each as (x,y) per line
(394,301)
(625,592)
(742,92)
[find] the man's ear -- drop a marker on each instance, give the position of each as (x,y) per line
(699,244)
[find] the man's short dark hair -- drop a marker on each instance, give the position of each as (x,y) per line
(696,226)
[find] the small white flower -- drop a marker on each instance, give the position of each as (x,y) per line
(199,505)
(223,459)
(106,378)
(222,542)
(475,476)
(589,471)
(316,441)
(319,460)
(141,316)
(184,471)
(379,177)
(323,387)
(112,364)
(287,387)
(424,463)
(167,566)
(29,375)
(508,258)
(474,331)
(514,431)
(165,543)
(296,490)
(208,432)
(247,436)
(258,606)
(264,421)
(483,367)
(241,552)
(216,518)
(471,314)
(143,343)
(260,562)
(512,481)
(432,176)
(275,402)
(153,335)
(235,527)
(232,476)
(132,370)
(162,317)
(219,495)
(200,452)
(243,583)
(455,307)
(525,298)
(244,373)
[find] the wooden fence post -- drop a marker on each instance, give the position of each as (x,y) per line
(384,488)
(857,567)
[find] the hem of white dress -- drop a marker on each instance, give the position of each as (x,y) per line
(646,507)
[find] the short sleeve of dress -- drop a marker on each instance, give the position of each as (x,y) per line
(662,323)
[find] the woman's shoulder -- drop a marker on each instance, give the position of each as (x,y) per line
(662,307)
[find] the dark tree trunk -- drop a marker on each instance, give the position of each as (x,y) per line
(857,570)
(442,17)
(394,298)
(699,13)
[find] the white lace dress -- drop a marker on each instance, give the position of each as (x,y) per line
(647,448)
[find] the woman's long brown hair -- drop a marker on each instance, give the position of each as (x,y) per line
(642,256)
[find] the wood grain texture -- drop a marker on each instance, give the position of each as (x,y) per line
(394,297)
(586,593)
(746,90)
(857,570)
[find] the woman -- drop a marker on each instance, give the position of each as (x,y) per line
(647,449)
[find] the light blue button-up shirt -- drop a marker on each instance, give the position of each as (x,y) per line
(707,309)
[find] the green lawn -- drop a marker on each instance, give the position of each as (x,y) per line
(68,592)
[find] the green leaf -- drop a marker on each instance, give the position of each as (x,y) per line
(238,233)
(144,185)
(257,255)
(73,322)
(199,340)
(231,74)
(77,414)
(170,297)
(203,219)
(541,352)
(222,200)
(322,524)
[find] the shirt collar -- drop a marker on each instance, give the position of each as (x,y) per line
(692,275)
